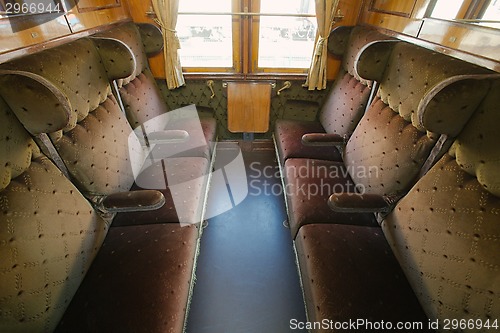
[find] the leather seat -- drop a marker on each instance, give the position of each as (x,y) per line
(49,233)
(70,98)
(445,231)
(436,251)
(99,148)
(139,282)
(141,96)
(350,273)
(389,147)
(344,105)
(309,185)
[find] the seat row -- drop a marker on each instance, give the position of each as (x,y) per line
(352,171)
(103,189)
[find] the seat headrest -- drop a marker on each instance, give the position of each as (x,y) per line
(373,58)
(16,146)
(413,79)
(476,149)
(71,78)
(347,42)
(130,35)
(360,37)
(447,107)
(37,103)
(152,38)
(339,40)
(116,56)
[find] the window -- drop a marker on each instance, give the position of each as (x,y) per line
(206,40)
(484,12)
(492,12)
(285,41)
(275,35)
(446,9)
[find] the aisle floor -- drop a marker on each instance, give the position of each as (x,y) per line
(247,279)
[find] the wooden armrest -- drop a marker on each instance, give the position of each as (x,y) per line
(132,201)
(358,203)
(323,139)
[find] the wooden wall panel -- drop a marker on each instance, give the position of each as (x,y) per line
(407,26)
(91,5)
(400,16)
(351,11)
(138,10)
(473,39)
(24,31)
(29,33)
(95,13)
(466,41)
(400,8)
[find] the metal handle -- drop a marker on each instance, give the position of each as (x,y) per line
(286,85)
(210,84)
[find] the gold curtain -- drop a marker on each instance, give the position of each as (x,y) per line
(325,16)
(166,17)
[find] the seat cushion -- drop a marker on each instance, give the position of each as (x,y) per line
(288,135)
(309,184)
(445,233)
(142,99)
(345,105)
(139,282)
(183,182)
(202,138)
(349,273)
(390,148)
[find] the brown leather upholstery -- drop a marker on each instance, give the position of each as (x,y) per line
(141,96)
(445,231)
(309,184)
(288,134)
(414,76)
(103,156)
(183,181)
(102,153)
(389,146)
(350,273)
(137,283)
(49,233)
(344,105)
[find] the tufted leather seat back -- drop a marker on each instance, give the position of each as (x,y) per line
(445,232)
(141,96)
(97,144)
(390,144)
(49,234)
(347,99)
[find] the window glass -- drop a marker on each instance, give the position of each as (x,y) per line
(446,9)
(286,41)
(492,13)
(206,40)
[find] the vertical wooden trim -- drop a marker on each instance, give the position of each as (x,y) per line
(373,8)
(245,31)
(97,5)
(254,37)
(237,32)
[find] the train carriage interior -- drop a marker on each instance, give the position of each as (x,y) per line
(249,166)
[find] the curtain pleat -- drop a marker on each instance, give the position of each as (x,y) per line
(166,17)
(325,16)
